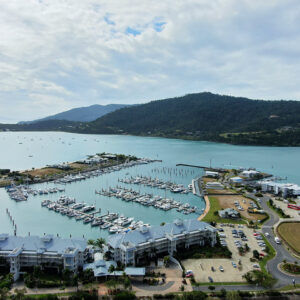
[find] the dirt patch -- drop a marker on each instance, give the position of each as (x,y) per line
(228,202)
(290,233)
(219,192)
(208,179)
(77,165)
(43,172)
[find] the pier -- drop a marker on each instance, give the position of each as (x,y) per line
(13,221)
(201,167)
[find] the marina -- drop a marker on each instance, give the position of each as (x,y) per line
(155,182)
(114,222)
(32,217)
(148,200)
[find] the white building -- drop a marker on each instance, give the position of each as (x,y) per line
(286,189)
(47,251)
(211,174)
(130,247)
(250,173)
(214,185)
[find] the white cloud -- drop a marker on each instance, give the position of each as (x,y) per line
(56,55)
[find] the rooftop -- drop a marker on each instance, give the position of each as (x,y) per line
(101,267)
(149,234)
(40,244)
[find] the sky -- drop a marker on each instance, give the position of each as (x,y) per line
(59,54)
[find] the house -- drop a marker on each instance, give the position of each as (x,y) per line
(130,247)
(229,213)
(101,268)
(47,251)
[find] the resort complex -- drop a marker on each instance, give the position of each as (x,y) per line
(130,247)
(151,229)
(48,251)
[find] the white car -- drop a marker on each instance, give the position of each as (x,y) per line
(267,234)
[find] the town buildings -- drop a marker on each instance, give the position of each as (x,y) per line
(285,189)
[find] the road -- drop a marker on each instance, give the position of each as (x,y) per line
(281,252)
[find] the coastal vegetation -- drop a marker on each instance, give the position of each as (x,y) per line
(290,233)
(201,116)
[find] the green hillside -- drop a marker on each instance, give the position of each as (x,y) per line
(202,116)
(210,117)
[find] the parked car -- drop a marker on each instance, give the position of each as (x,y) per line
(221,269)
(256,266)
(233,264)
(210,279)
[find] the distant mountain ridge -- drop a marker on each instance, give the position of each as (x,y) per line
(81,114)
(200,116)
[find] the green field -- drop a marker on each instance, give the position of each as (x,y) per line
(290,233)
(212,217)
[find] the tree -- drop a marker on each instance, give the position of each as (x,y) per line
(87,276)
(127,283)
(233,295)
(111,269)
(91,242)
(256,254)
(258,277)
(4,292)
(19,294)
(100,243)
(247,247)
(211,288)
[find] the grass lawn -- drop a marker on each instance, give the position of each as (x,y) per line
(289,287)
(290,233)
(271,254)
(211,217)
(219,283)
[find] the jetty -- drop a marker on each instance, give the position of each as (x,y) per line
(202,167)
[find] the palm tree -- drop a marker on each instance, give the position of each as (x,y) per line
(91,242)
(99,243)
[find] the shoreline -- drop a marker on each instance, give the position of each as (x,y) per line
(207,208)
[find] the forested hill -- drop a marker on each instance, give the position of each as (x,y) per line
(202,116)
(208,116)
(82,114)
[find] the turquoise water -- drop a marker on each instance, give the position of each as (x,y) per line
(55,147)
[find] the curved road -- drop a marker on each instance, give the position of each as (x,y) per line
(281,253)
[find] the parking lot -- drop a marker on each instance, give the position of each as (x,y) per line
(228,270)
(283,205)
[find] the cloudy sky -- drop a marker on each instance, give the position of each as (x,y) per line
(60,54)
